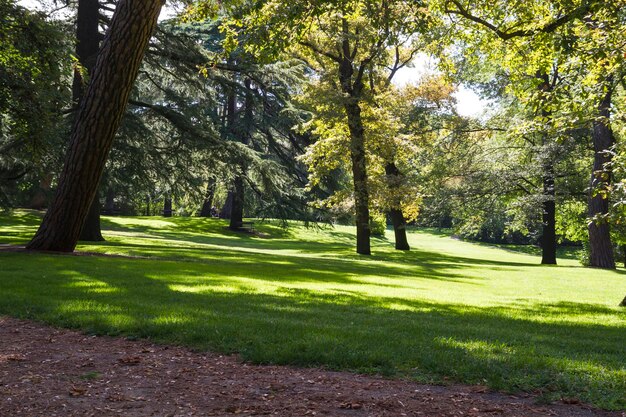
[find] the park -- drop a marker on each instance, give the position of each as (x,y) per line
(272,208)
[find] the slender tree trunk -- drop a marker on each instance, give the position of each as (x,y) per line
(600,244)
(91,231)
(207,206)
(98,119)
(397,218)
(548,233)
(548,237)
(148,200)
(87,47)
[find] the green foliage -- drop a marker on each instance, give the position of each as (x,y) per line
(378,224)
(33,72)
(446,311)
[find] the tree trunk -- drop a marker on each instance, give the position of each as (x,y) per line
(623,303)
(548,236)
(98,119)
(601,247)
(109,202)
(40,199)
(359,175)
(167,207)
(242,132)
(92,231)
(227,207)
(207,206)
(87,47)
(397,218)
(236,209)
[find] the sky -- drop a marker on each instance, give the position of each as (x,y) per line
(469,104)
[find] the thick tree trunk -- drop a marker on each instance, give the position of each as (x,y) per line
(98,119)
(92,231)
(397,218)
(87,47)
(600,244)
(548,236)
(359,175)
(399,229)
(207,205)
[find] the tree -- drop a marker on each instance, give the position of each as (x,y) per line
(32,94)
(583,35)
(345,43)
(99,117)
(87,47)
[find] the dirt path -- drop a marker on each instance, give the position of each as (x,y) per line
(50,372)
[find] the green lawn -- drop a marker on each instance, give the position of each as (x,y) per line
(446,311)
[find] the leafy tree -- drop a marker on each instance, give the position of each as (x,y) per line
(32,94)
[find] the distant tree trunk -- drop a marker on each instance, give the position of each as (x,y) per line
(109,202)
(207,206)
(600,244)
(227,207)
(167,207)
(397,218)
(242,133)
(148,200)
(98,119)
(548,233)
(87,47)
(40,199)
(92,231)
(236,209)
(548,237)
(623,303)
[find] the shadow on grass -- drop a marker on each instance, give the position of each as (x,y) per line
(504,347)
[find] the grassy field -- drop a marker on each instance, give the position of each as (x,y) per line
(446,311)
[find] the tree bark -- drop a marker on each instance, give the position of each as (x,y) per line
(397,217)
(548,236)
(359,175)
(548,205)
(87,47)
(98,119)
(207,205)
(236,208)
(167,207)
(92,232)
(242,133)
(601,247)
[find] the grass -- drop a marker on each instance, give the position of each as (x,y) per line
(446,311)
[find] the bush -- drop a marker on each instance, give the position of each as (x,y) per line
(378,224)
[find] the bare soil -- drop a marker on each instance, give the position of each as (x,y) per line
(49,372)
